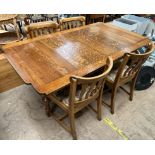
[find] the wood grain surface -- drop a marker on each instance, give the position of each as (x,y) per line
(5,17)
(47,62)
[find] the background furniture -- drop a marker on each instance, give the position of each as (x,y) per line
(91,90)
(34,18)
(127,72)
(96,18)
(72,22)
(20,22)
(53,17)
(93,18)
(8,76)
(9,19)
(9,37)
(41,28)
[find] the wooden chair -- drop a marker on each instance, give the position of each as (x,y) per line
(33,18)
(72,22)
(41,28)
(127,72)
(97,18)
(53,17)
(82,92)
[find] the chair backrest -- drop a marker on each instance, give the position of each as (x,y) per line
(90,87)
(41,28)
(73,22)
(131,65)
(97,18)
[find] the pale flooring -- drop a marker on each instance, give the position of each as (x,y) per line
(22,116)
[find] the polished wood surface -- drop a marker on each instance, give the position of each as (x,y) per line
(96,18)
(8,76)
(47,62)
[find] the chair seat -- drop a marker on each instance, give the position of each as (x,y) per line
(64,97)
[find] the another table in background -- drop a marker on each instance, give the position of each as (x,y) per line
(6,19)
(8,76)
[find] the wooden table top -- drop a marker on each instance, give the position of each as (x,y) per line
(5,17)
(47,62)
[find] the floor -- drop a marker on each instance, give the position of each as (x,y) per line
(22,116)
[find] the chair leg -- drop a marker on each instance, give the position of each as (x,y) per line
(99,106)
(99,110)
(72,125)
(47,106)
(113,96)
(132,86)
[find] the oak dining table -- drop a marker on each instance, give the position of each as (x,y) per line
(47,62)
(9,19)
